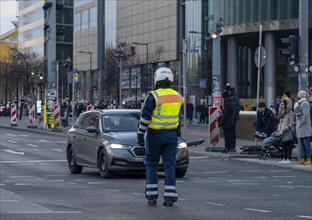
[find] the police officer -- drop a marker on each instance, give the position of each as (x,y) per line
(160,118)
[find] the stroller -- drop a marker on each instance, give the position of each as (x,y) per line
(272,148)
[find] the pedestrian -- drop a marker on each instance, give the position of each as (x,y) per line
(303,127)
(227,122)
(265,123)
(197,115)
(189,112)
(160,120)
(202,117)
(285,127)
(237,107)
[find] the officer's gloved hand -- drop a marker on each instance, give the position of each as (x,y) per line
(140,141)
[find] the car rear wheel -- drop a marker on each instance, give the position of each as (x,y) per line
(180,173)
(72,165)
(103,165)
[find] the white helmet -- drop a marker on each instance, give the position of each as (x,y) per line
(163,73)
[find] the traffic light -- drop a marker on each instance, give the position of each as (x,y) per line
(292,44)
(41,76)
(219,26)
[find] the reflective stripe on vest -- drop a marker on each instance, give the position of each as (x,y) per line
(166,113)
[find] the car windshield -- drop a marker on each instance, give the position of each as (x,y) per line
(120,122)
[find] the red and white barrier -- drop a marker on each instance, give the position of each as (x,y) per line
(57,116)
(213,125)
(90,107)
(13,115)
(31,114)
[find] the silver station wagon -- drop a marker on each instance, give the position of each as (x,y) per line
(107,140)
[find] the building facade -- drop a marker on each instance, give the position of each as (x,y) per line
(46,29)
(152,33)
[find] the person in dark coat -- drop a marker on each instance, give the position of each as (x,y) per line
(227,123)
(236,105)
(266,123)
(189,112)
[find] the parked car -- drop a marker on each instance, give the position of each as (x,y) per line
(5,111)
(107,140)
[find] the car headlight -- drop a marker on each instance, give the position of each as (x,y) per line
(182,145)
(120,146)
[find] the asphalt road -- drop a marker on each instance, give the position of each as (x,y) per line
(35,184)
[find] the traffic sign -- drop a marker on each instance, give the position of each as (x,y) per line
(260,50)
(190,50)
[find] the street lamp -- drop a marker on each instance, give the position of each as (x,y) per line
(91,76)
(119,54)
(148,75)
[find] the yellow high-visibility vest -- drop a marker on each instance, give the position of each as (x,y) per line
(166,113)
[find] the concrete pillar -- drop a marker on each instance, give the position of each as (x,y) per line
(232,71)
(270,69)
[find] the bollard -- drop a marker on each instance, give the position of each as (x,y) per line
(90,107)
(214,130)
(57,118)
(13,115)
(31,116)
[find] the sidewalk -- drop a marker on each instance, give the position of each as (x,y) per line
(200,150)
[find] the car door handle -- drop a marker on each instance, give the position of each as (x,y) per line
(84,139)
(74,136)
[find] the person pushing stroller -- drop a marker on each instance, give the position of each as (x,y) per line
(283,133)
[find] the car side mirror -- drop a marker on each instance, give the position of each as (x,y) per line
(92,129)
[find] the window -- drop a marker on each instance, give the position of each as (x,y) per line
(93,17)
(85,20)
(77,22)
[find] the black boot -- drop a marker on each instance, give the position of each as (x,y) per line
(152,202)
(168,203)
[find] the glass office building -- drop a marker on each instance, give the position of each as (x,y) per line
(35,30)
(152,32)
(240,39)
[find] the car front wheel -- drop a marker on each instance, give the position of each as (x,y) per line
(72,165)
(103,164)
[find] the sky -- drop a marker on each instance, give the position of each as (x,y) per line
(8,13)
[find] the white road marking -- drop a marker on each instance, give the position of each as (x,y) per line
(14,152)
(12,141)
(14,135)
(32,145)
(2,184)
(22,164)
(141,194)
(257,210)
(47,212)
(58,150)
(278,171)
(21,184)
(56,175)
(31,161)
(216,172)
(304,216)
(94,183)
(47,141)
(198,157)
(9,200)
(251,184)
(212,203)
(284,176)
(22,176)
